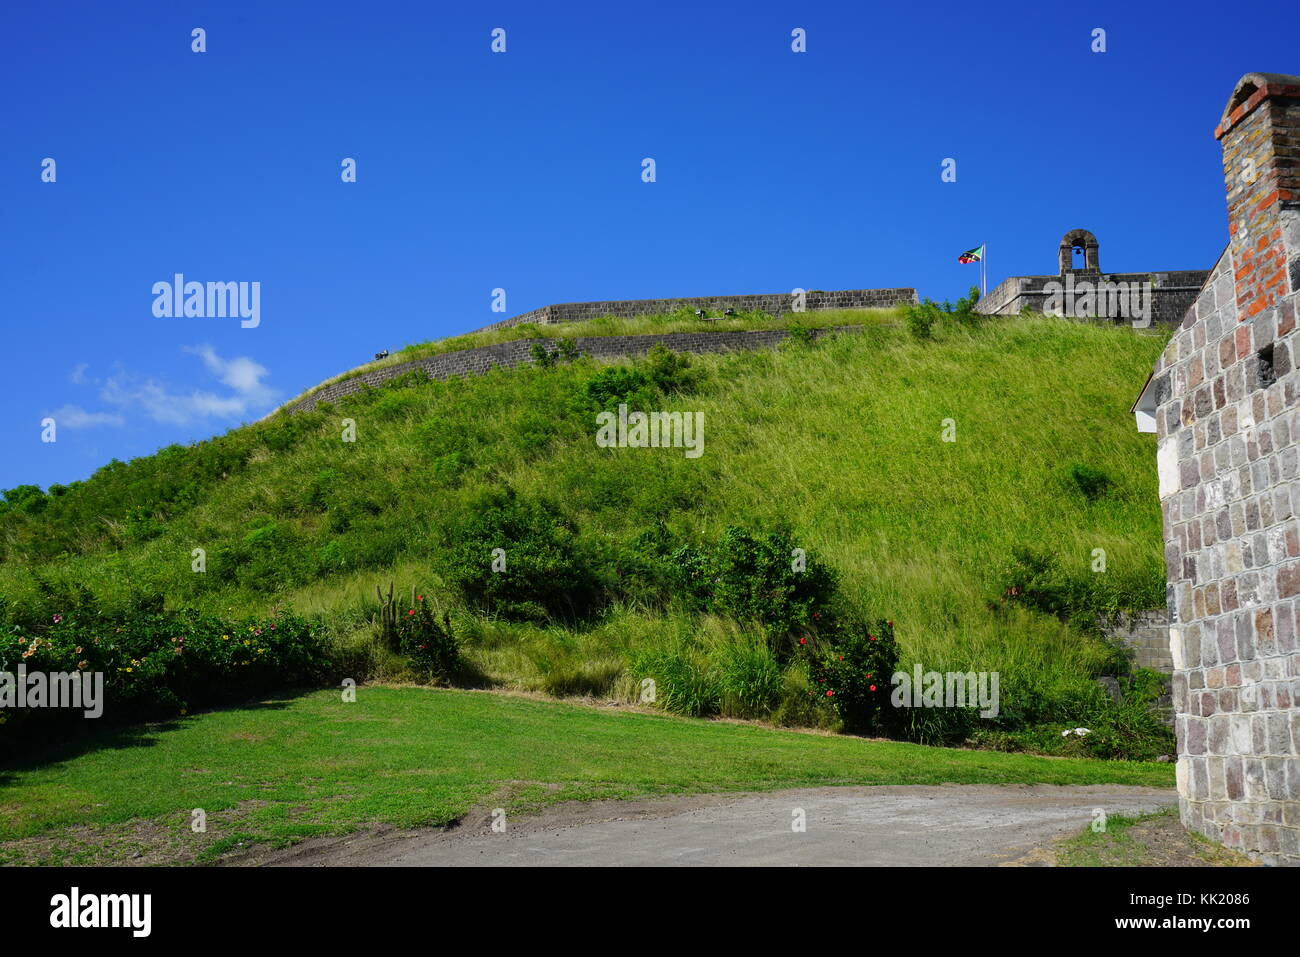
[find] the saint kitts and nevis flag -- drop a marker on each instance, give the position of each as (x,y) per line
(972,255)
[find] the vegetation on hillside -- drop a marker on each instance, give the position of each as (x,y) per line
(961,485)
(681,320)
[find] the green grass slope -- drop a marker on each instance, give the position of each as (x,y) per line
(841,441)
(683,320)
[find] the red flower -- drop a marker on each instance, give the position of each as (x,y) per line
(873,687)
(411,612)
(803,641)
(419,598)
(830,694)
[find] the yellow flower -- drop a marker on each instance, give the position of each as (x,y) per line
(225,637)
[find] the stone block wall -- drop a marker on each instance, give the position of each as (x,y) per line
(1172,293)
(1228,454)
(1146,635)
(519,352)
(776,304)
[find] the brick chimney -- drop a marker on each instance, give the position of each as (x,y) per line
(1260,133)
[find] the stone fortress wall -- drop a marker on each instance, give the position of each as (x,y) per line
(776,304)
(1171,292)
(520,352)
(508,354)
(1225,396)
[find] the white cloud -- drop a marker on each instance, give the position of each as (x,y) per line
(241,373)
(75,417)
(78,374)
(160,403)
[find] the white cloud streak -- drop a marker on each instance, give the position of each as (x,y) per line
(124,393)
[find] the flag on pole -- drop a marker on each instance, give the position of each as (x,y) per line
(972,255)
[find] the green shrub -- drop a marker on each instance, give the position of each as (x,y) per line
(615,385)
(662,373)
(1037,579)
(1131,728)
(541,357)
(671,373)
(539,572)
(964,310)
(760,577)
(853,670)
(921,318)
(429,643)
(24,498)
(160,665)
(1127,729)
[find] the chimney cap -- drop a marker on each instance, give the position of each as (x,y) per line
(1252,90)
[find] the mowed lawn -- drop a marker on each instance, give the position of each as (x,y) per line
(290,768)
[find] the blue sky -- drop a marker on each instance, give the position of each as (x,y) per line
(522,171)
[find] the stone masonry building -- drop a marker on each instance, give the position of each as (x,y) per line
(1088,293)
(1225,403)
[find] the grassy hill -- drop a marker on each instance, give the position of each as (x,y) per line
(981,549)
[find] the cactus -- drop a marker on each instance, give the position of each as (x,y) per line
(387,615)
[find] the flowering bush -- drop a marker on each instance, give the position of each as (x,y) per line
(852,670)
(429,642)
(163,664)
(750,576)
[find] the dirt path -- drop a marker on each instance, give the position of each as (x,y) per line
(877,826)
